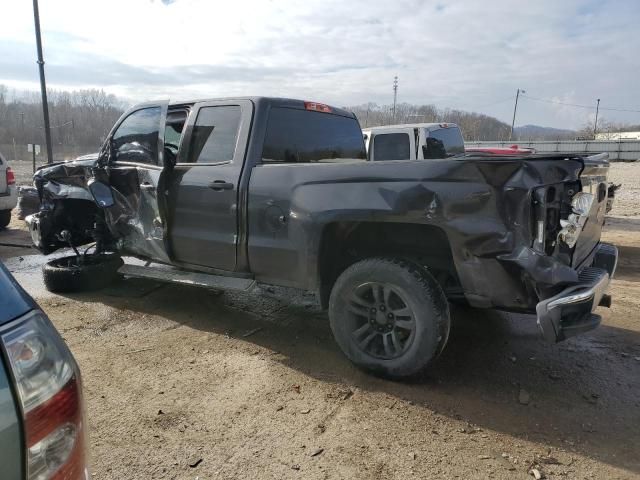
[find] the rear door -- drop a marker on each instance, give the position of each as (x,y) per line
(137,175)
(203,187)
(393,144)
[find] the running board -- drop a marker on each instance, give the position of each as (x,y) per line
(173,275)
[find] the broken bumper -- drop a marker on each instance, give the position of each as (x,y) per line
(571,311)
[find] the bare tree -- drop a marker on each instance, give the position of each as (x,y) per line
(475,126)
(80,119)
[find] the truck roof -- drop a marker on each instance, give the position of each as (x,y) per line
(412,125)
(270,101)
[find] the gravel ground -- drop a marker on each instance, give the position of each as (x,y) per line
(627,203)
(183,384)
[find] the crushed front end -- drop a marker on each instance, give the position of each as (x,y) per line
(68,215)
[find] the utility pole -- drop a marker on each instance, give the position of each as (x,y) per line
(595,125)
(43,83)
(395,96)
(23,139)
(515,109)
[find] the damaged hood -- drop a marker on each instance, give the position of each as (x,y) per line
(66,179)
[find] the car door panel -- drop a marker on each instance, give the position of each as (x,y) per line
(137,176)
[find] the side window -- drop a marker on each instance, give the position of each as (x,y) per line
(215,134)
(392,146)
(136,139)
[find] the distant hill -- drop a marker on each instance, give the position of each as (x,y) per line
(536,132)
(475,126)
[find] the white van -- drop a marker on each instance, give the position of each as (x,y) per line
(418,141)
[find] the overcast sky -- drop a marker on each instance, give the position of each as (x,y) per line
(464,54)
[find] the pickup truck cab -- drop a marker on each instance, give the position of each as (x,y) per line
(234,193)
(419,141)
(42,425)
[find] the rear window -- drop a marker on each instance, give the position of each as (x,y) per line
(442,143)
(391,146)
(302,136)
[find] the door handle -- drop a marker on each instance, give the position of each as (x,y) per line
(220,185)
(147,186)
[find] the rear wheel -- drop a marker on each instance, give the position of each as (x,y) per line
(389,316)
(81,272)
(5,218)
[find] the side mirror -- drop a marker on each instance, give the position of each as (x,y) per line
(101,193)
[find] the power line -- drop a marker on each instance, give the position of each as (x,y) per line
(493,103)
(575,105)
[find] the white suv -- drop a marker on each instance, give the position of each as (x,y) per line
(8,192)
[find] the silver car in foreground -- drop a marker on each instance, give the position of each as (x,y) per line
(42,423)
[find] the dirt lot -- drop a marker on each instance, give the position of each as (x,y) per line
(183,384)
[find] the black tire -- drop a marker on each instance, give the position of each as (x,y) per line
(5,218)
(77,274)
(408,299)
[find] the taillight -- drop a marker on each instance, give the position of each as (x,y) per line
(317,107)
(11,178)
(49,387)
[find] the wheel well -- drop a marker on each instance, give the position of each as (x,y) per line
(77,216)
(344,243)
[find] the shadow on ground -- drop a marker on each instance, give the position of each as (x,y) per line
(584,393)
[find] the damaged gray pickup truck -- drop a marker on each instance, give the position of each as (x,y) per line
(232,193)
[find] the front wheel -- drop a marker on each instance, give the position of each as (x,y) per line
(389,316)
(81,272)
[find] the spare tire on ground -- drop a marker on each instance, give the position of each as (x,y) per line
(81,273)
(28,202)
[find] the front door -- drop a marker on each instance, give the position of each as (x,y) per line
(137,173)
(203,186)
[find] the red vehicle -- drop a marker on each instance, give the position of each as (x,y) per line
(512,150)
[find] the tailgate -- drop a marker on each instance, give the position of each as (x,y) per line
(594,181)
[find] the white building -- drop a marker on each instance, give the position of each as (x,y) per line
(618,136)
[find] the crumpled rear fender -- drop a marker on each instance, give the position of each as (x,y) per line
(483,205)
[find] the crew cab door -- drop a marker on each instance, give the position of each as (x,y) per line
(204,185)
(393,144)
(137,173)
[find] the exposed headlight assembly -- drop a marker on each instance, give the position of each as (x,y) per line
(572,227)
